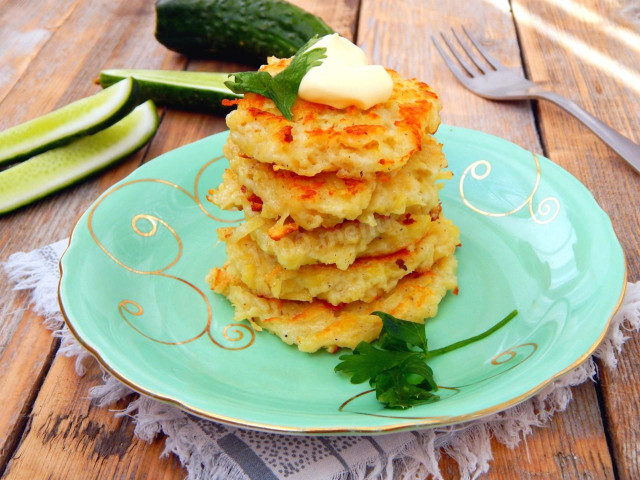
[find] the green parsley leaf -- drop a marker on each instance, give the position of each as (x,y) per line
(396,366)
(419,373)
(283,87)
(396,330)
(398,388)
(367,361)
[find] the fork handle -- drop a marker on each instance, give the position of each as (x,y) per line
(624,147)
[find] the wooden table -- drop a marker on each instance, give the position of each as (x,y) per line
(52,50)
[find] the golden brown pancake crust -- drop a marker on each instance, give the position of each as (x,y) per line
(339,245)
(349,141)
(318,324)
(366,279)
(326,200)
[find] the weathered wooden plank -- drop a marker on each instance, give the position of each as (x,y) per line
(398,34)
(67,437)
(68,433)
(620,395)
(94,35)
(30,352)
(87,42)
(25,27)
(341,15)
(589,51)
(573,454)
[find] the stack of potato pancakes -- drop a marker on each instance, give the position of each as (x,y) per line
(342,216)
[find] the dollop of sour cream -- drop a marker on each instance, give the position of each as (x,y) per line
(345,77)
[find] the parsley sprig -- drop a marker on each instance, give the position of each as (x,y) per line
(283,87)
(396,366)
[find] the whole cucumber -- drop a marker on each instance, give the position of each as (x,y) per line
(244,31)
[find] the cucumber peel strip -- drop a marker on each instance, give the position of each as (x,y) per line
(200,91)
(200,80)
(60,167)
(83,117)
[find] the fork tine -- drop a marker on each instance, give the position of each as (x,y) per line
(487,56)
(464,79)
(474,58)
(465,64)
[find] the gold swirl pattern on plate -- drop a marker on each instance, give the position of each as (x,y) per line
(505,357)
(130,308)
(498,359)
(510,353)
(125,307)
(237,329)
(548,207)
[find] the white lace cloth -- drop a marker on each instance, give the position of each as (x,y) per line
(209,450)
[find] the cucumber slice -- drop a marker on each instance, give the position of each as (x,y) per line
(197,91)
(56,128)
(62,166)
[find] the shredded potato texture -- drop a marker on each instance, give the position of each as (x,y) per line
(343,216)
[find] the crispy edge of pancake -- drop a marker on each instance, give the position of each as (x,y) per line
(326,200)
(342,244)
(364,280)
(315,325)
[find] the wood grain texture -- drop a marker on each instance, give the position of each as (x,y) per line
(589,52)
(620,398)
(398,35)
(577,451)
(29,353)
(25,27)
(96,35)
(92,36)
(341,15)
(68,438)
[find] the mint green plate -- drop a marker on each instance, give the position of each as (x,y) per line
(133,291)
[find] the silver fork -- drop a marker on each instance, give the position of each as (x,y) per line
(487,77)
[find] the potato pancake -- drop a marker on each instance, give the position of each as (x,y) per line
(326,200)
(342,244)
(364,280)
(350,142)
(318,324)
(342,215)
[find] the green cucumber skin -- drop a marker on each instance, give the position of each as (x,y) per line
(173,96)
(63,185)
(123,111)
(238,30)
